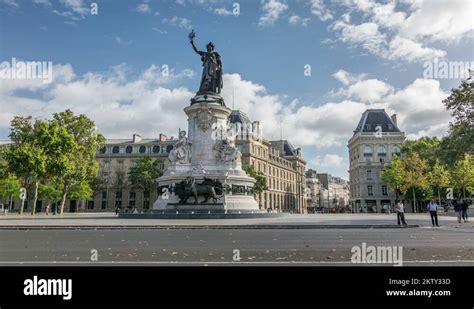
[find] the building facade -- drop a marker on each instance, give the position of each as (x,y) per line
(376,140)
(115,160)
(282,165)
(326,193)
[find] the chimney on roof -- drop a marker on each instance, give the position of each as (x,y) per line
(162,137)
(136,138)
(256,129)
(394,118)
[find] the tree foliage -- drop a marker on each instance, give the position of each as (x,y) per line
(144,174)
(60,151)
(80,166)
(392,175)
(260,180)
(27,158)
(463,175)
(460,140)
(440,178)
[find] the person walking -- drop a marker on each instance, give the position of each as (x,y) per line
(46,210)
(433,209)
(458,210)
(400,209)
(465,208)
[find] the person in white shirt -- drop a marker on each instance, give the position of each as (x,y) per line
(400,209)
(433,209)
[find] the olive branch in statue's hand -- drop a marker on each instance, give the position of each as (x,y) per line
(192,35)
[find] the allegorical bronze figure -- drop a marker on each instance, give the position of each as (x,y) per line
(211,80)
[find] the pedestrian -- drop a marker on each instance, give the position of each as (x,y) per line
(465,208)
(433,209)
(116,211)
(400,209)
(46,210)
(458,210)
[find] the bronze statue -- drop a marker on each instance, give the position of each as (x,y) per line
(189,188)
(211,80)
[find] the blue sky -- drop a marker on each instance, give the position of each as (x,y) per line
(363,54)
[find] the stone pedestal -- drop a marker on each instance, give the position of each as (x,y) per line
(207,119)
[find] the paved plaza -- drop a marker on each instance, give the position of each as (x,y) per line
(316,239)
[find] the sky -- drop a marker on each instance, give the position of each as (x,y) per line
(306,69)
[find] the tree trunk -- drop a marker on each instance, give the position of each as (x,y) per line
(22,205)
(10,204)
(63,200)
(35,199)
(439,197)
(414,201)
(464,193)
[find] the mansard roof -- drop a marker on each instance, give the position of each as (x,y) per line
(372,118)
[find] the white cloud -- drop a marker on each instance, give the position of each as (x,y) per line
(122,41)
(297,20)
(419,106)
(11,3)
(77,7)
(407,27)
(180,22)
(368,91)
(347,78)
(42,2)
(319,9)
(119,106)
(272,10)
(406,49)
(386,16)
(447,21)
(367,35)
(222,11)
(143,8)
(438,130)
(328,160)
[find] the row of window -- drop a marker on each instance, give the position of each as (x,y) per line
(131,149)
(131,199)
(368,126)
(105,167)
(381,150)
(370,190)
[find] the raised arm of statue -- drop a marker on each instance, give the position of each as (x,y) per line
(191,38)
(195,49)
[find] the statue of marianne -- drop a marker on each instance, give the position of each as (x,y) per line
(211,80)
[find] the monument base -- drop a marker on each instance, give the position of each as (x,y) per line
(205,174)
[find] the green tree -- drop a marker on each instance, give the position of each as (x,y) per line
(81,191)
(78,164)
(3,164)
(461,103)
(460,140)
(439,178)
(393,175)
(27,158)
(9,188)
(463,175)
(143,175)
(426,147)
(260,180)
(415,173)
